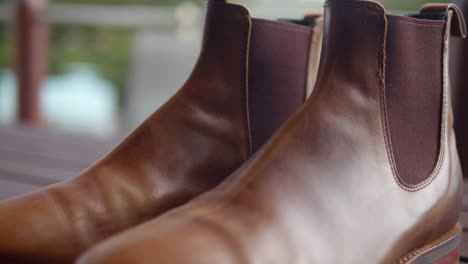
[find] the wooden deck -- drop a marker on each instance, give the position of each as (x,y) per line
(31,159)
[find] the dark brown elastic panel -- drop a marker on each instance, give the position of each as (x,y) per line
(277,75)
(414,94)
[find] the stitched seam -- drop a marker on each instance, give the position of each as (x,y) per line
(248,181)
(228,200)
(245,69)
(244,49)
(380,53)
(238,192)
(418,252)
(383,107)
(443,127)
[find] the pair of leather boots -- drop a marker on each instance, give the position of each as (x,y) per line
(365,170)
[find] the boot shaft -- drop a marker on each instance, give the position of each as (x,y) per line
(274,65)
(410,64)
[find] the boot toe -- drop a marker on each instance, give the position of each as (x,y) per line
(25,231)
(164,242)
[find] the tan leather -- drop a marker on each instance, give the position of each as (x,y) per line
(187,147)
(323,189)
(314,51)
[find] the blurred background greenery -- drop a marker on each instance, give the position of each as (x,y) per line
(129,2)
(109,48)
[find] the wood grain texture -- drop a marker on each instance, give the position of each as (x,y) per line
(10,189)
(33,158)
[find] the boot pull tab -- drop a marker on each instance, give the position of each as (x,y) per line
(458,22)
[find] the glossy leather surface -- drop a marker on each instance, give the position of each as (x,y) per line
(187,147)
(323,190)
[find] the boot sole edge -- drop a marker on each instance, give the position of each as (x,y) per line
(444,250)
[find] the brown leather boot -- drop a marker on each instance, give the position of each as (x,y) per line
(250,77)
(366,172)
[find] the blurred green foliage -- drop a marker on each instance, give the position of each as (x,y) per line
(5,47)
(131,2)
(407,5)
(108,48)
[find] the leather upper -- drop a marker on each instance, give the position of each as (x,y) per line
(187,147)
(198,138)
(324,188)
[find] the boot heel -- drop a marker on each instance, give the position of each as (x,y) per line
(445,250)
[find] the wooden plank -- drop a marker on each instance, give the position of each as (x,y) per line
(80,149)
(43,136)
(29,174)
(79,155)
(10,189)
(42,160)
(37,157)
